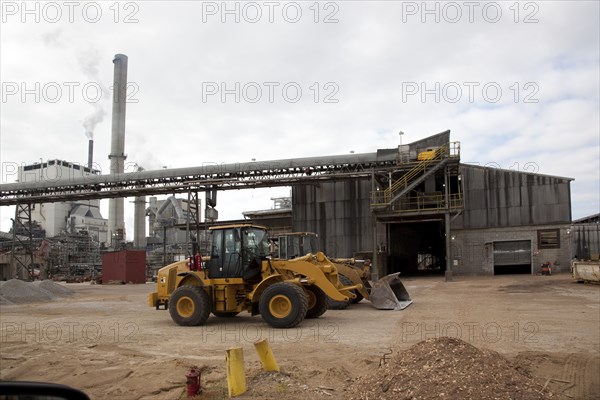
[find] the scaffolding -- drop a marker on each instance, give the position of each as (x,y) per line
(74,256)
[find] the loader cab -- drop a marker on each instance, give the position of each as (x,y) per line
(237,251)
(297,244)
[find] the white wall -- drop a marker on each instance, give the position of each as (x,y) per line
(53,216)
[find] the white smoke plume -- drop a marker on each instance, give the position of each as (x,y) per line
(53,38)
(93,119)
(89,61)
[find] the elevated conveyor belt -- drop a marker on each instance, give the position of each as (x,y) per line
(181,180)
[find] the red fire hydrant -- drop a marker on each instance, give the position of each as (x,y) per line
(193,382)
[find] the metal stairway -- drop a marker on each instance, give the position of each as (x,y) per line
(407,182)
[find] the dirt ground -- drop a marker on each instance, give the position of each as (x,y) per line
(106,341)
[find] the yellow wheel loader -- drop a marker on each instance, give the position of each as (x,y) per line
(388,293)
(241,276)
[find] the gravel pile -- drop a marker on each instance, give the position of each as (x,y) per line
(16,291)
(4,302)
(54,288)
(447,368)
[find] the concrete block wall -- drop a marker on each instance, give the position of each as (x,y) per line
(472,250)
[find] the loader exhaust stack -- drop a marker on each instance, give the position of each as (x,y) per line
(388,293)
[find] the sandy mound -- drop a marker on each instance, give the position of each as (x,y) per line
(446,368)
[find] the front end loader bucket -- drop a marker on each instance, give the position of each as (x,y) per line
(389,293)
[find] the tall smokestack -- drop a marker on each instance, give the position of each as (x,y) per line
(116,217)
(139,220)
(90,153)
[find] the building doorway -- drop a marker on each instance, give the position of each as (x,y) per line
(417,248)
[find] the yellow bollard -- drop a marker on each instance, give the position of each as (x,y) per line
(266,355)
(236,376)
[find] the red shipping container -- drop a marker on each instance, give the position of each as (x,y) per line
(128,266)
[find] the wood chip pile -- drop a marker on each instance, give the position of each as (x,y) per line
(446,368)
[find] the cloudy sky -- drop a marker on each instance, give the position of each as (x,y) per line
(516,82)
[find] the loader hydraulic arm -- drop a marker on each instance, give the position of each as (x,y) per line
(322,277)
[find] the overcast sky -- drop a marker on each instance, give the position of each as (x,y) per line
(517,83)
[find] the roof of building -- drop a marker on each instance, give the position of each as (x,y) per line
(590,219)
(267,213)
(86,211)
(63,163)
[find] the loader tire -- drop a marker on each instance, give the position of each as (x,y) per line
(317,301)
(340,305)
(358,298)
(225,314)
(189,305)
(283,305)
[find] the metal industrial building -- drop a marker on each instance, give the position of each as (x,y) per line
(585,234)
(414,209)
(431,213)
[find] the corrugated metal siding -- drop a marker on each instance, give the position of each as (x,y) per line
(497,198)
(585,240)
(338,212)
